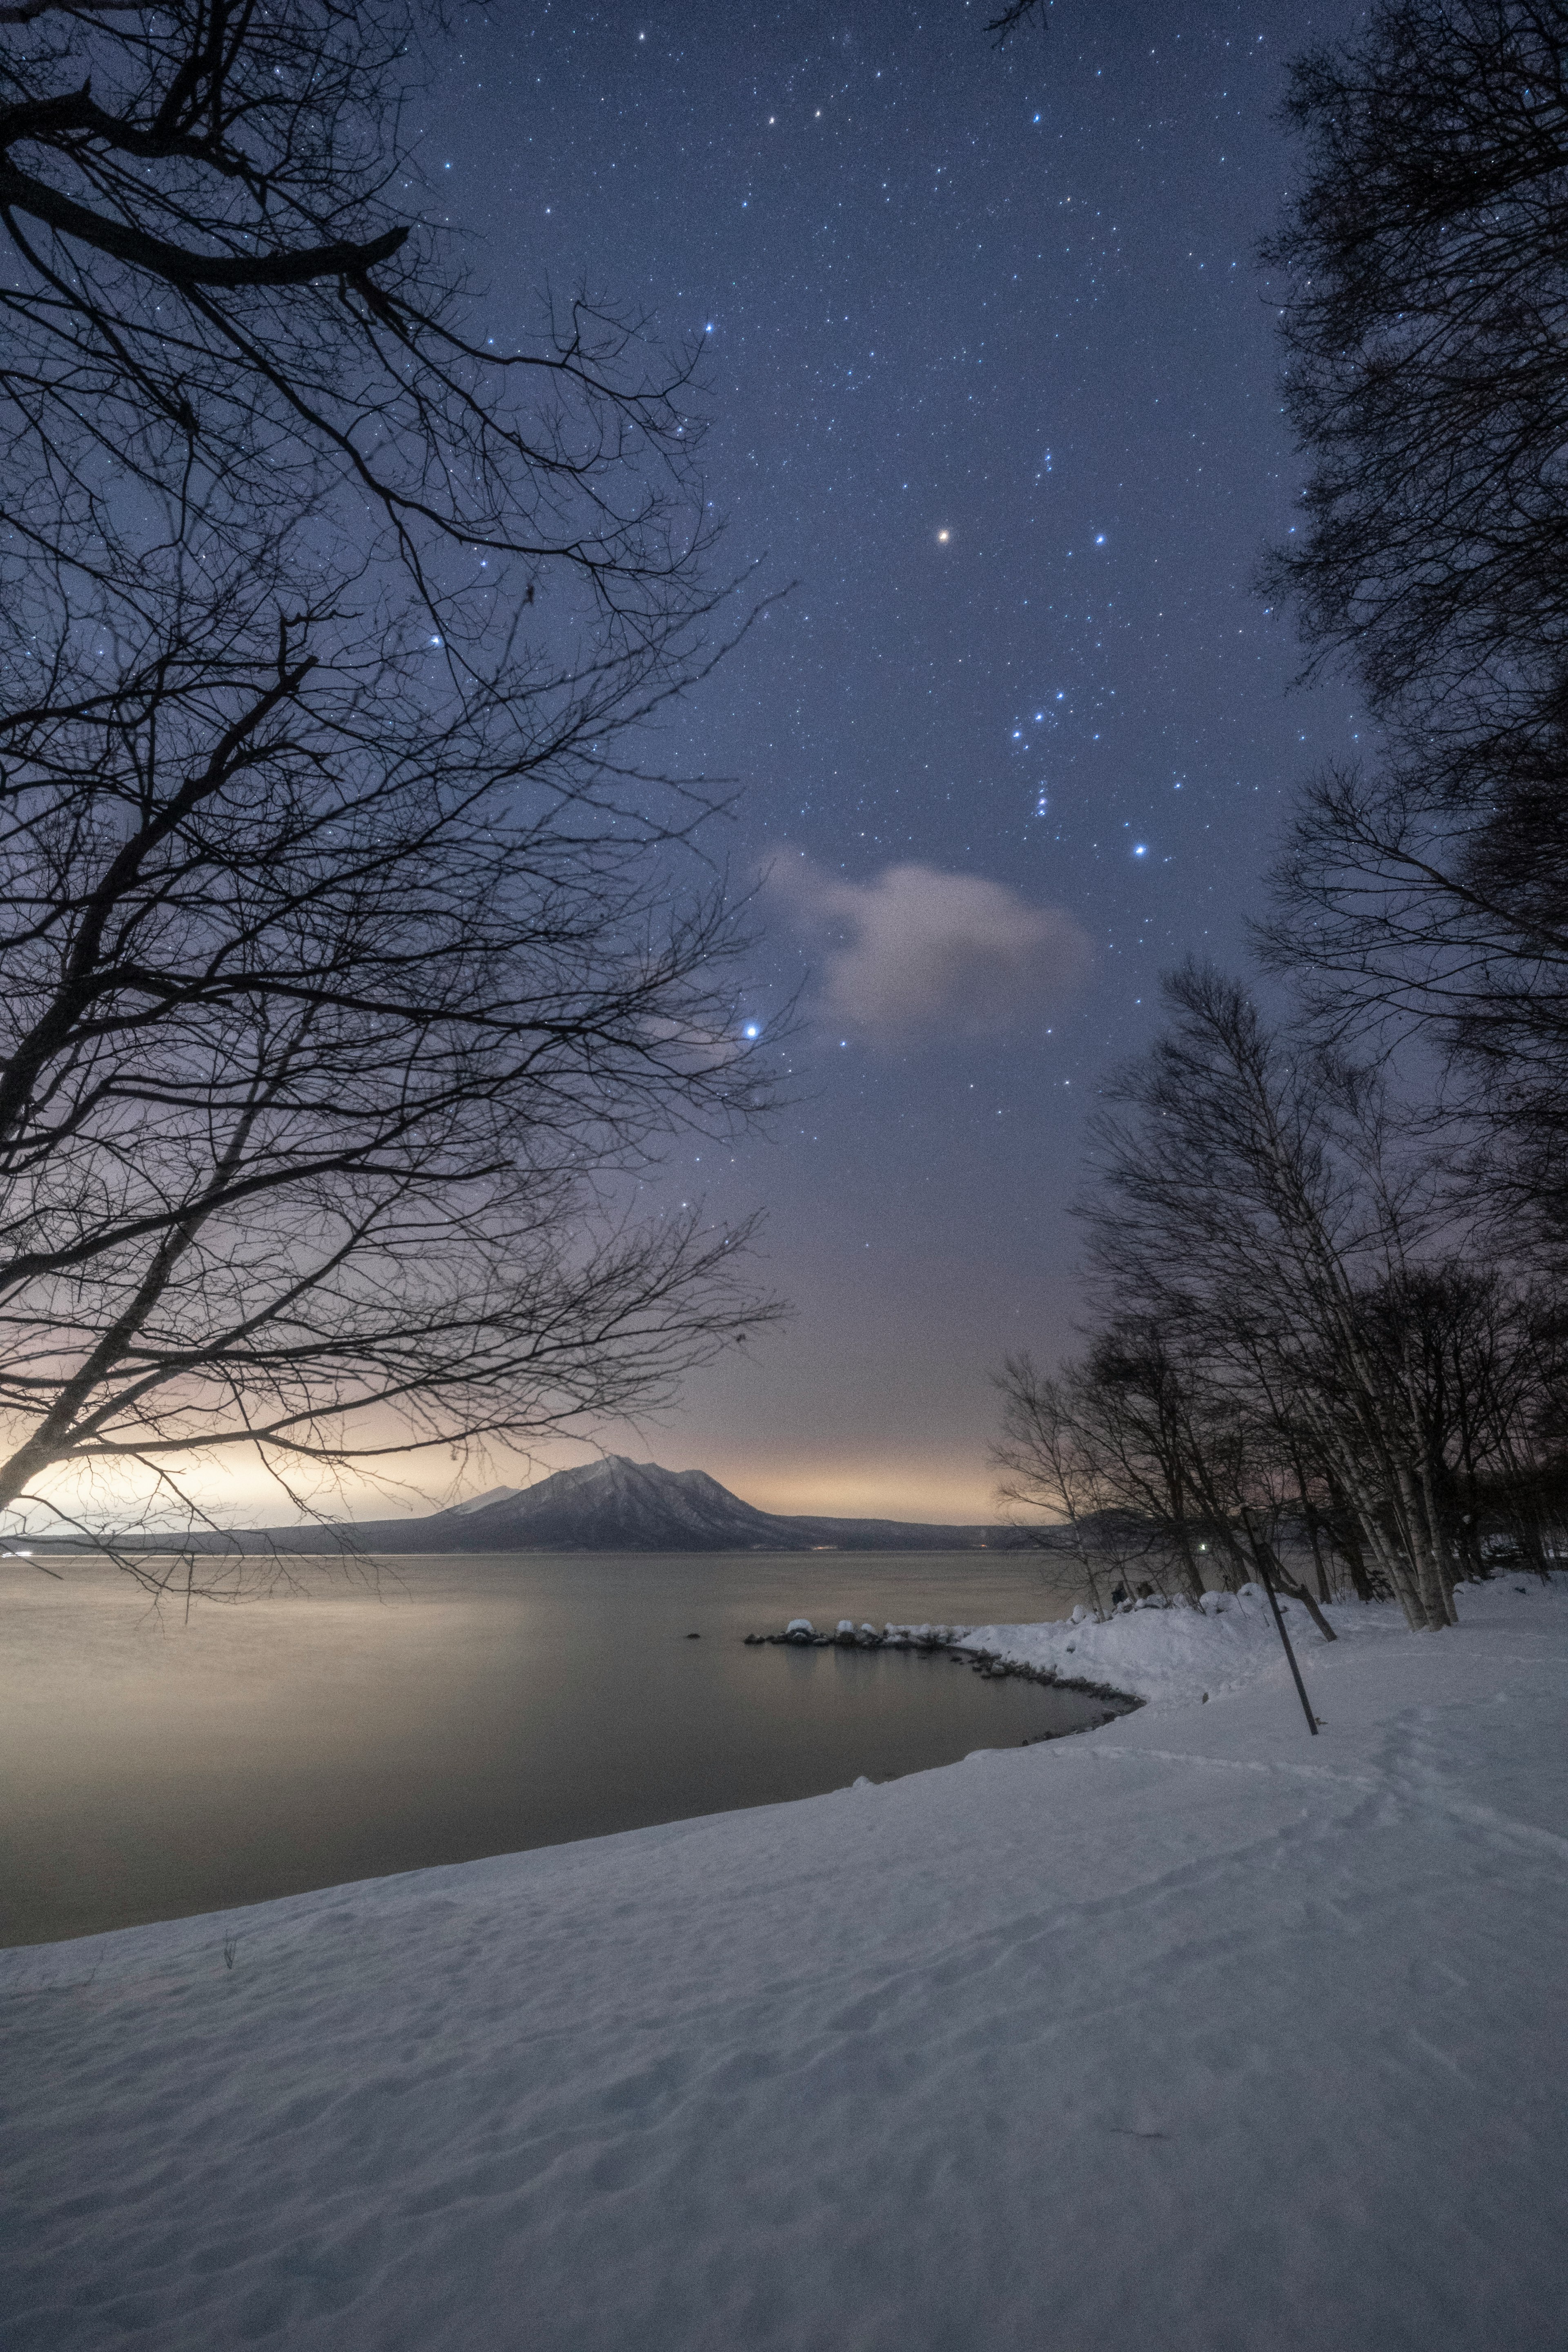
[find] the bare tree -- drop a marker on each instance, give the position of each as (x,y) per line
(1414,903)
(1349,1364)
(343,1013)
(1149,1454)
(1133,1408)
(1014,16)
(1251,1194)
(1304,1328)
(1050,1480)
(357,966)
(224,291)
(1471,1354)
(1424,315)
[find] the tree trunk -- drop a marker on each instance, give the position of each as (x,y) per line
(1428,1584)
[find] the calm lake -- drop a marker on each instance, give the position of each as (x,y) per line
(152,1768)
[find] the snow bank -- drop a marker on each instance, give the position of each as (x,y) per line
(1153,1652)
(1148,1651)
(1194,2033)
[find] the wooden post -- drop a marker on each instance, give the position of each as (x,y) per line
(1280,1620)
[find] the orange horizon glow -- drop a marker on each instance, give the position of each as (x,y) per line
(958,1492)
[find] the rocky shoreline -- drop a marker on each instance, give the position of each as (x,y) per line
(939,1641)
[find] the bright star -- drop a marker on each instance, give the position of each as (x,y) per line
(752,1029)
(1140,848)
(943,537)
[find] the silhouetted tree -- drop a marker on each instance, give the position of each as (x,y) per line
(1424,315)
(341,1013)
(1016,13)
(1050,1467)
(1319,1321)
(355,966)
(1159,1471)
(1250,1192)
(224,292)
(1424,318)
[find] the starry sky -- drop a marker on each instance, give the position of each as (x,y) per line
(992,381)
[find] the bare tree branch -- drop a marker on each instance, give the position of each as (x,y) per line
(346,1013)
(224,294)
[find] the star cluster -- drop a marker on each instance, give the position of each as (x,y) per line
(994,395)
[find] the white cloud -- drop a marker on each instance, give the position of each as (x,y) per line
(918,951)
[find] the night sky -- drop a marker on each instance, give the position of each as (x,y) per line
(992,378)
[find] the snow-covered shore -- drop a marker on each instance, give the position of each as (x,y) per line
(1144,1651)
(1175,1654)
(1194,2031)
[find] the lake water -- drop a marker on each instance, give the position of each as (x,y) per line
(151,1768)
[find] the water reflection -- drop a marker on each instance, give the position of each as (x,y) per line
(155,1767)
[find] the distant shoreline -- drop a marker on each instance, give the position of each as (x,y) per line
(613,1505)
(353,1542)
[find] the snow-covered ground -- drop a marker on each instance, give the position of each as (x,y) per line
(1154,1653)
(1194,2031)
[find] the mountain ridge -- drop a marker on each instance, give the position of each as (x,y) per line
(612,1504)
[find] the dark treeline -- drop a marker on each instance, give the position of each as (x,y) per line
(1326,1342)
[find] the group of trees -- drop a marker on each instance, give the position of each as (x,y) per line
(355,964)
(1327,1244)
(1305,1367)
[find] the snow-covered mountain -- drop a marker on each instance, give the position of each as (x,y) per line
(616,1504)
(613,1505)
(483,1501)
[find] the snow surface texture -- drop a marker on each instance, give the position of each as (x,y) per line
(1191,2033)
